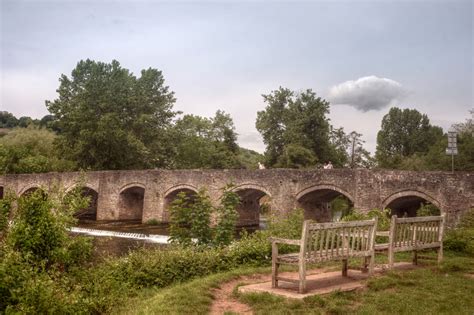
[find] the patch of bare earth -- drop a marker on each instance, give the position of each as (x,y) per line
(225,302)
(469,275)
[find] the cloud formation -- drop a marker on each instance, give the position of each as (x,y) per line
(367,93)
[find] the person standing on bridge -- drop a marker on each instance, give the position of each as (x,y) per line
(328,166)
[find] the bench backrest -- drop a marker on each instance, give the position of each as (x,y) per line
(416,233)
(338,239)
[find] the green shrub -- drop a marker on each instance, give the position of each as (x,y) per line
(461,239)
(152,222)
(383,219)
(36,254)
(190,219)
(5,209)
(227,217)
(427,210)
(288,225)
(180,216)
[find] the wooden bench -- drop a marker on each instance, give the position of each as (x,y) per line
(413,234)
(325,242)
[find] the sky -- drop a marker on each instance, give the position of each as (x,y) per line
(363,57)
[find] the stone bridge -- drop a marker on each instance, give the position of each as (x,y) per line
(146,194)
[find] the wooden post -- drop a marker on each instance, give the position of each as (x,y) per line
(391,241)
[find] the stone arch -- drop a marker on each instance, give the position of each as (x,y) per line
(28,190)
(75,185)
(251,203)
(406,202)
(131,200)
(171,194)
(129,185)
(316,201)
(90,212)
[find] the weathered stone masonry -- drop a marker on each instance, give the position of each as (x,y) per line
(146,194)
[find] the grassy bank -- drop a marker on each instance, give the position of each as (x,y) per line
(429,290)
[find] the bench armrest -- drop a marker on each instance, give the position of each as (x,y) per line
(285,241)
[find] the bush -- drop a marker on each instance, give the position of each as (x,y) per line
(152,222)
(427,210)
(36,253)
(190,219)
(461,239)
(227,217)
(383,222)
(5,210)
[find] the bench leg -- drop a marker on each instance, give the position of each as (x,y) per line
(391,259)
(275,266)
(440,254)
(274,274)
(372,264)
(415,257)
(365,263)
(344,267)
(302,275)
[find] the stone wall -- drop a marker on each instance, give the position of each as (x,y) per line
(122,193)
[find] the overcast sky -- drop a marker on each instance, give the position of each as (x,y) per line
(362,56)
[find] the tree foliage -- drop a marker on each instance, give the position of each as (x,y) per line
(206,142)
(227,217)
(190,218)
(297,132)
(110,119)
(31,150)
(404,133)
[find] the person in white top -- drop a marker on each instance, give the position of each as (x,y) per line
(261,166)
(328,166)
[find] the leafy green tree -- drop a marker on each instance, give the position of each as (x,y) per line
(7,120)
(31,150)
(297,119)
(200,218)
(206,142)
(39,229)
(404,133)
(249,159)
(111,119)
(26,121)
(358,156)
(227,217)
(180,217)
(296,156)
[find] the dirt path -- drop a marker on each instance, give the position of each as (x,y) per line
(225,302)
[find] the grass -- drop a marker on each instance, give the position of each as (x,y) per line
(429,290)
(194,297)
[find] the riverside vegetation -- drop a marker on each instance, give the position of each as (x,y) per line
(43,269)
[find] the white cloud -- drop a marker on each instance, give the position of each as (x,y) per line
(367,93)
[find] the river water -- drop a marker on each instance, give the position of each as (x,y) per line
(117,238)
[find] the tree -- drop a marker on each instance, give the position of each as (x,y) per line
(202,142)
(359,157)
(110,119)
(404,133)
(297,119)
(7,120)
(31,150)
